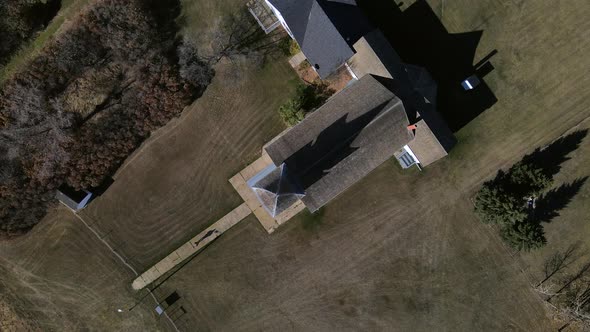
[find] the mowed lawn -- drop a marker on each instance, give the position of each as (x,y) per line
(59,277)
(176,184)
(403,250)
(572,226)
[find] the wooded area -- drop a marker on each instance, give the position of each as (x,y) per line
(21,19)
(88,100)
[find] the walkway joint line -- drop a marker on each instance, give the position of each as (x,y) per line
(193,246)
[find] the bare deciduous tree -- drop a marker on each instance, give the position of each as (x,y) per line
(238,35)
(48,136)
(558,262)
(575,278)
(193,68)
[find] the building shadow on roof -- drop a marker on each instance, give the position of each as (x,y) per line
(342,16)
(421,39)
(314,160)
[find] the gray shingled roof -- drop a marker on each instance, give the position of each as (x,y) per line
(345,139)
(324,30)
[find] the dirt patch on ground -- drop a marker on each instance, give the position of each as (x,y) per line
(339,79)
(336,81)
(306,73)
(11,322)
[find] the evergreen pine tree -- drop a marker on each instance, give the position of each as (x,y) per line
(525,235)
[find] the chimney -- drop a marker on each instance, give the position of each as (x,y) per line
(412,127)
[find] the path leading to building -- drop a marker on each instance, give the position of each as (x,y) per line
(251,205)
(297,59)
(191,247)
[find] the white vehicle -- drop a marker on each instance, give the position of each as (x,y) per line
(470,82)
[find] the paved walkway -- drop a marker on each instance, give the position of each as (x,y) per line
(297,59)
(251,205)
(191,247)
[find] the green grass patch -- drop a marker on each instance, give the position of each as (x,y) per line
(311,221)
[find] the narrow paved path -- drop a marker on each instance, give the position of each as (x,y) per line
(191,247)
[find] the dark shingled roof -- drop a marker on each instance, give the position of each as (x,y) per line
(325,30)
(345,139)
(275,190)
(415,86)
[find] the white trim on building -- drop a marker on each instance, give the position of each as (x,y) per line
(280,17)
(408,158)
(407,148)
(350,71)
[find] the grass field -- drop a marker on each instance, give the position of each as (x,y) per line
(398,251)
(572,225)
(404,250)
(182,172)
(59,277)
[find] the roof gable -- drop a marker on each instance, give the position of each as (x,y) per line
(324,30)
(275,189)
(323,45)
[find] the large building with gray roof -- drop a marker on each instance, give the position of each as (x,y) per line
(324,29)
(355,131)
(387,110)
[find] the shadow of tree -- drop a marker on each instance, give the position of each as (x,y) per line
(420,38)
(238,36)
(509,198)
(550,158)
(550,203)
(560,260)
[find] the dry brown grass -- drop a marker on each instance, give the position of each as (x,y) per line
(182,172)
(398,251)
(404,250)
(11,321)
(59,277)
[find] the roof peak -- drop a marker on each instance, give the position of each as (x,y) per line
(276,190)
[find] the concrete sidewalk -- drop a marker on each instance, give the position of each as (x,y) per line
(297,59)
(191,247)
(251,205)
